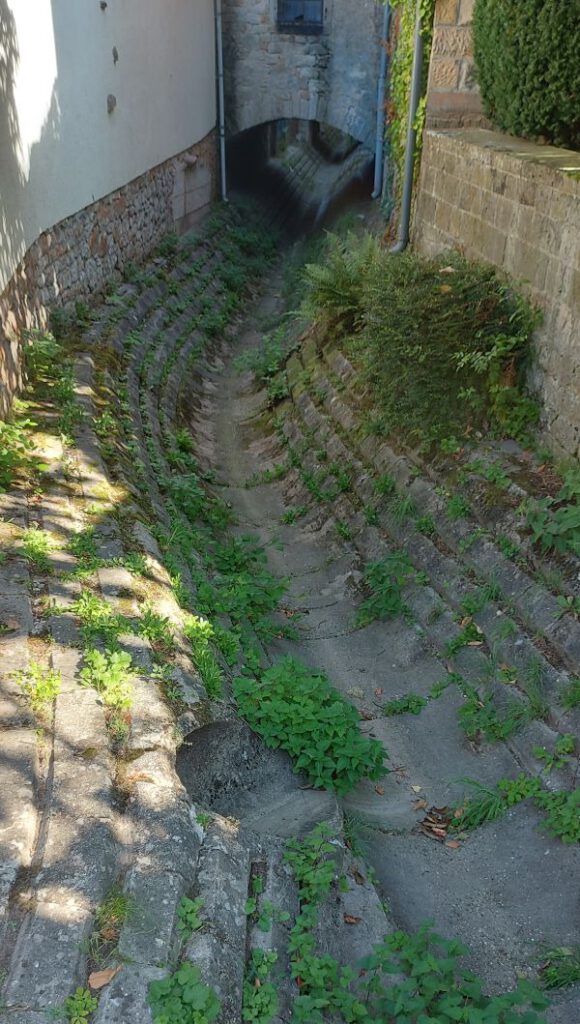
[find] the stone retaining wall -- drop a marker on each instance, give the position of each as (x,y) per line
(453,98)
(80,255)
(517,205)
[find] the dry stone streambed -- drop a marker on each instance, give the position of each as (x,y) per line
(173,796)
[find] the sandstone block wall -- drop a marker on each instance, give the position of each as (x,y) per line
(453,98)
(330,77)
(76,258)
(516,205)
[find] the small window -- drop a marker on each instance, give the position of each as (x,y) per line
(300,15)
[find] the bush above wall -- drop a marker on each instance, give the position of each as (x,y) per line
(528,66)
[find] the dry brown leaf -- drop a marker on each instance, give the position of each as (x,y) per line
(458,812)
(367,716)
(98,979)
(358,877)
(379,691)
(445,288)
(380,790)
(475,643)
(420,805)
(350,919)
(453,844)
(447,270)
(416,789)
(109,934)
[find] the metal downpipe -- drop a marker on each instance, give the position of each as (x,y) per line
(221,99)
(416,80)
(380,130)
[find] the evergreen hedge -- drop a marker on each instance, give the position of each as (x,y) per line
(527,55)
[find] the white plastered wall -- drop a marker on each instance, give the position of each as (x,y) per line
(61,63)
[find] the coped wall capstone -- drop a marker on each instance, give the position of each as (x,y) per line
(515,204)
(331,77)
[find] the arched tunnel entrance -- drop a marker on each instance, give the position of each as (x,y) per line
(301,169)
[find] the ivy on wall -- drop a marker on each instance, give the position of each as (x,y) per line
(400,85)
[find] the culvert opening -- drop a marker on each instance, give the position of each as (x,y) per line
(302,170)
(226,768)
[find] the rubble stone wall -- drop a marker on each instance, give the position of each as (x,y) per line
(77,257)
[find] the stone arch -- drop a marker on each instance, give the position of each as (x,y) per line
(330,77)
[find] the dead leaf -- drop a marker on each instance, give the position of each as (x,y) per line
(140,777)
(98,979)
(453,844)
(420,805)
(436,823)
(416,789)
(109,934)
(350,919)
(447,270)
(445,288)
(366,716)
(359,879)
(379,691)
(458,812)
(380,790)
(475,643)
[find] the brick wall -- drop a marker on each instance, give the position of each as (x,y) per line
(511,203)
(453,98)
(80,255)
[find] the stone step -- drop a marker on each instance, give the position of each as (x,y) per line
(448,576)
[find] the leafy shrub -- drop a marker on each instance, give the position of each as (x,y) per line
(555,522)
(299,711)
(441,342)
(336,285)
(526,55)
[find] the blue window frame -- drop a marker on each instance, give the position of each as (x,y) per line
(304,16)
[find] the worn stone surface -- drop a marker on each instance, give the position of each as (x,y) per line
(513,203)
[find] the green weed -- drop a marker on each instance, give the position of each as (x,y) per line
(109,673)
(260,1000)
(570,695)
(560,967)
(291,515)
(37,546)
(157,630)
(458,507)
(385,581)
(183,998)
(78,1007)
(411,704)
(39,685)
(99,620)
(299,711)
(188,919)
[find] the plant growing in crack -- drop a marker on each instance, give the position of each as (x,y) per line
(39,685)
